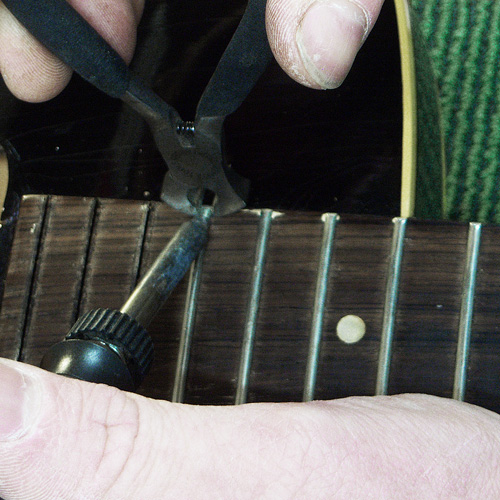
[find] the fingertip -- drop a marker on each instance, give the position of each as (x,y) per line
(316,41)
(35,84)
(328,38)
(282,18)
(33,74)
(28,69)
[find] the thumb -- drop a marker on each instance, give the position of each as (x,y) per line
(316,41)
(63,439)
(66,439)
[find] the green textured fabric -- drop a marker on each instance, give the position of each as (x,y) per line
(463,39)
(429,202)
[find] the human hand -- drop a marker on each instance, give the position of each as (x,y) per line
(33,74)
(314,41)
(64,439)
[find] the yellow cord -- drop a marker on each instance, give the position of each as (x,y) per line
(409,146)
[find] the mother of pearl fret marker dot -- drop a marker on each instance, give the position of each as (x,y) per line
(351,329)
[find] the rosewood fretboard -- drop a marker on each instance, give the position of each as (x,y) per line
(271,289)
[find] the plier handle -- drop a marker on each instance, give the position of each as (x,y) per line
(193,151)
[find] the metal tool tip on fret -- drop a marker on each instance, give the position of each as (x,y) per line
(228,197)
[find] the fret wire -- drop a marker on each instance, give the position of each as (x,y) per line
(253,306)
(390,303)
(187,330)
(330,222)
(466,310)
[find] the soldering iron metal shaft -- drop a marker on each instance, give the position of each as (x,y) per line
(168,269)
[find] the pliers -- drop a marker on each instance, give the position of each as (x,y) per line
(193,151)
(112,346)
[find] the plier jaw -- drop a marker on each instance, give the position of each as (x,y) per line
(194,155)
(197,167)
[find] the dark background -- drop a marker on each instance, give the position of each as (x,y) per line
(333,150)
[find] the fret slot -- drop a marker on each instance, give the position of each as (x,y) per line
(390,303)
(264,229)
(187,330)
(466,310)
(330,222)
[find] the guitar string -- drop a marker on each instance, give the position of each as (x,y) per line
(329,223)
(187,329)
(390,303)
(466,310)
(264,229)
(392,287)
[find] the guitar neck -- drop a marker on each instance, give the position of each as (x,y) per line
(267,299)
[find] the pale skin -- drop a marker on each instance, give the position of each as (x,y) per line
(62,439)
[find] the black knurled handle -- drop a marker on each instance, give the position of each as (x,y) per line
(117,329)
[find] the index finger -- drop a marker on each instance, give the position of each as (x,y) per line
(33,74)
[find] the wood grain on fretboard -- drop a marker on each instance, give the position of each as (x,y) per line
(73,254)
